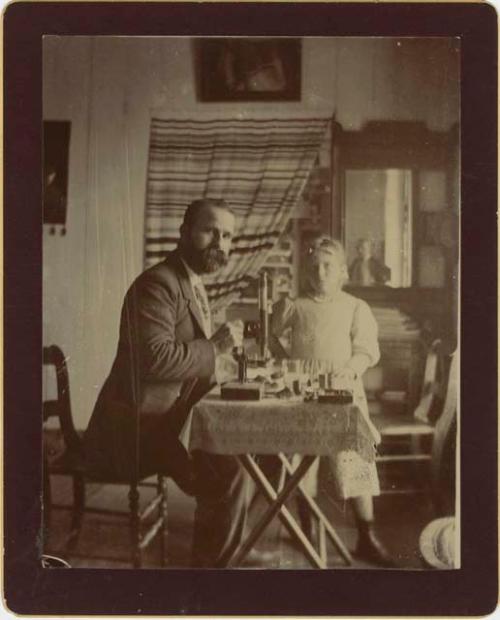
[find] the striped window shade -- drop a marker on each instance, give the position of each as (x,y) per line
(259,167)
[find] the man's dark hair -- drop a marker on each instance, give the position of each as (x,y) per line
(196,206)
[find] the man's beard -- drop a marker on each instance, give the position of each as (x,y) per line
(208,260)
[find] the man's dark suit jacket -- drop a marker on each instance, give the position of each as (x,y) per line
(163,365)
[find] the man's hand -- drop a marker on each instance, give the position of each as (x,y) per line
(227,337)
(226,368)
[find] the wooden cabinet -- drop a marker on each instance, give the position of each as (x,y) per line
(401,362)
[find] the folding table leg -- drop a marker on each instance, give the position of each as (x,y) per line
(313,506)
(276,508)
(322,540)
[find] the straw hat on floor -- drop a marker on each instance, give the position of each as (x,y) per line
(437,543)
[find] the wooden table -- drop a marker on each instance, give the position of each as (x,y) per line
(281,427)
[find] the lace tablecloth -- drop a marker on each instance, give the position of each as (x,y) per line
(271,425)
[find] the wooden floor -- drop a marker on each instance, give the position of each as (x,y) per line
(104,541)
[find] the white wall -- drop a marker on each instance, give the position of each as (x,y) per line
(107,86)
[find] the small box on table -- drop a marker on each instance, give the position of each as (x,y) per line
(249,390)
(339,397)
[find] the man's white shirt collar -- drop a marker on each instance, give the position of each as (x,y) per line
(196,282)
(194,277)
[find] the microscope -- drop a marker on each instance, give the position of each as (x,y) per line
(244,389)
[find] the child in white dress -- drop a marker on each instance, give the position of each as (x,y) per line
(338,333)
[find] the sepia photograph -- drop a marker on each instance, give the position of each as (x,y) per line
(250,327)
(250,309)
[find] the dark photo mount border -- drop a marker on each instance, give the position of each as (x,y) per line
(29,589)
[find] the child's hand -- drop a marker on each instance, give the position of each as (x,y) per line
(346,373)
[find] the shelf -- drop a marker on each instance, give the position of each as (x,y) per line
(278,266)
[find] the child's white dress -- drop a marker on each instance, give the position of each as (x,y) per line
(329,333)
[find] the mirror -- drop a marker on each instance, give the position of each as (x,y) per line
(393,182)
(378,226)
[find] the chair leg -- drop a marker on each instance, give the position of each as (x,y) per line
(420,474)
(163,515)
(46,502)
(135,526)
(78,510)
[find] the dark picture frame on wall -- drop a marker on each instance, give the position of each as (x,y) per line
(56,137)
(249,69)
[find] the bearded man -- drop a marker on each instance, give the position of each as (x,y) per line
(165,362)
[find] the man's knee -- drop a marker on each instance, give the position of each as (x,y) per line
(220,476)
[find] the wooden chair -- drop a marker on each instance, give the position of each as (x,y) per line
(407,436)
(63,455)
(444,447)
(437,541)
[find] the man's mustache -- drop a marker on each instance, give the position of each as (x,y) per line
(213,259)
(216,253)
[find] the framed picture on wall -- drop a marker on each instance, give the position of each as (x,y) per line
(249,69)
(56,135)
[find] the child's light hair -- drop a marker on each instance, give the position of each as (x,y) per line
(324,243)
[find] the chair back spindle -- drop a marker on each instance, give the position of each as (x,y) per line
(444,444)
(433,374)
(61,408)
